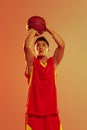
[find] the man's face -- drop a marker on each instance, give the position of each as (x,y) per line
(41,48)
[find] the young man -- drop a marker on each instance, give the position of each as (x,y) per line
(41,109)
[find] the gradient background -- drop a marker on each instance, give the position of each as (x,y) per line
(69,19)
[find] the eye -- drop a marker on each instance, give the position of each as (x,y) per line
(38,44)
(43,44)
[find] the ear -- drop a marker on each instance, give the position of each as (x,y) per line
(34,47)
(47,50)
(35,50)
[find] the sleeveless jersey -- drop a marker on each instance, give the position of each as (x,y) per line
(42,97)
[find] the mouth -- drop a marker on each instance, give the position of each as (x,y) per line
(40,51)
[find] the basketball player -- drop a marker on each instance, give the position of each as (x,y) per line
(42,110)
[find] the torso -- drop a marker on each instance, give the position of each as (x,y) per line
(42,98)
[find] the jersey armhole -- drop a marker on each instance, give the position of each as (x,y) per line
(28,75)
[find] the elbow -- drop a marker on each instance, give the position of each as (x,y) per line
(25,48)
(62,46)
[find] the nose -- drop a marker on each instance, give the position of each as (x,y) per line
(41,47)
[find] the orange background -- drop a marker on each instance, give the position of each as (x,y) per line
(69,19)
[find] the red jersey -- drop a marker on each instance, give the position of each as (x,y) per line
(42,98)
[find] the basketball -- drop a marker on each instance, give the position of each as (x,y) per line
(37,23)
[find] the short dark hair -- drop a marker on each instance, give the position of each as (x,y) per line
(41,39)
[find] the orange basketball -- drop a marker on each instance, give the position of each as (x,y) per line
(37,23)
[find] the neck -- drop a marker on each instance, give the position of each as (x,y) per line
(42,58)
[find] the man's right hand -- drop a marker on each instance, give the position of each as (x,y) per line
(33,31)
